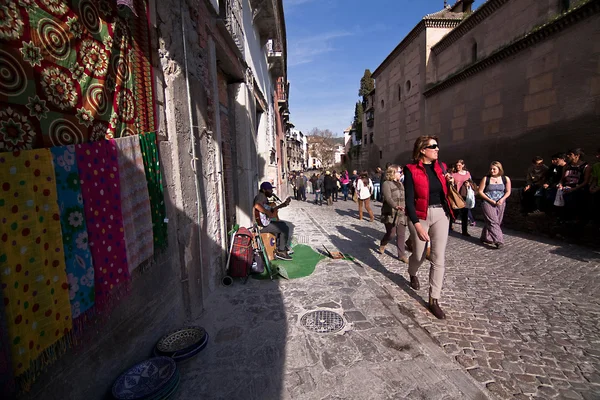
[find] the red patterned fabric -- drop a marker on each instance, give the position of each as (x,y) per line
(101,190)
(73,71)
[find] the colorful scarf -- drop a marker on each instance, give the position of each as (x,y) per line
(32,260)
(7,381)
(135,202)
(101,189)
(155,189)
(73,71)
(80,270)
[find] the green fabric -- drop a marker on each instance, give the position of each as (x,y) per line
(155,189)
(596,174)
(304,262)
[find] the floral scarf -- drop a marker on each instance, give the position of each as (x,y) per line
(32,260)
(155,189)
(135,202)
(101,189)
(80,270)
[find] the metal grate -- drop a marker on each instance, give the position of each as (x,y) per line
(323,321)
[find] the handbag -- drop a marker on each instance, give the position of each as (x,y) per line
(559,201)
(455,199)
(470,199)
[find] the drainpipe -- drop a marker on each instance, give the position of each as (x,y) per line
(194,161)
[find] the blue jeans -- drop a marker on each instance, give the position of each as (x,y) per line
(376,191)
(345,191)
(318,197)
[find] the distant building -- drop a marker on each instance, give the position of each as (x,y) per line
(296,150)
(509,81)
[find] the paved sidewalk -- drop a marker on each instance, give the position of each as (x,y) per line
(259,350)
(523,320)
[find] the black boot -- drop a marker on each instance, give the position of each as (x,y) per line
(435,309)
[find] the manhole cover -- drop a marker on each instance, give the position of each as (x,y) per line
(322,321)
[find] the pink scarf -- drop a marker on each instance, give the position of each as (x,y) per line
(101,190)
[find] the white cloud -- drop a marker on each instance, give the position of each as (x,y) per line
(306,50)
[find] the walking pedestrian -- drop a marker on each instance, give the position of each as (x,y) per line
(364,189)
(352,183)
(429,213)
(461,177)
(318,186)
(329,186)
(345,180)
(494,189)
(301,186)
(338,185)
(393,216)
(376,178)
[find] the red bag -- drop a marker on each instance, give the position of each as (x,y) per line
(242,254)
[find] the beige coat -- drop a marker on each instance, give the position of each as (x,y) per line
(393,196)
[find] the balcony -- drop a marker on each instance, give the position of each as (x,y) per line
(281,88)
(275,58)
(266,17)
(233,22)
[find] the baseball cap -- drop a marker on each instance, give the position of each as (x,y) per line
(266,186)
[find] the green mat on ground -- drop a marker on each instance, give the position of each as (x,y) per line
(304,261)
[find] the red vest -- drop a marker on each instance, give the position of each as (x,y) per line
(421,181)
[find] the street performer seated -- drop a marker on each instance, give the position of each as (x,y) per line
(265,214)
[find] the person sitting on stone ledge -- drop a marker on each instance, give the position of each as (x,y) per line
(533,193)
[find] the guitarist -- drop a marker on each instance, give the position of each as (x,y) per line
(279,228)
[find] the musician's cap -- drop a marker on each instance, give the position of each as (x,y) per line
(266,186)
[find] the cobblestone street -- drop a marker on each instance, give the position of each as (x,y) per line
(522,320)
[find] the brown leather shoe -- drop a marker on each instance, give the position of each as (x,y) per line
(435,309)
(414,283)
(381,249)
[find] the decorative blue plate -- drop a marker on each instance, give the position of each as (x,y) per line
(145,379)
(187,353)
(182,340)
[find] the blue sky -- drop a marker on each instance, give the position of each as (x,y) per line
(331,42)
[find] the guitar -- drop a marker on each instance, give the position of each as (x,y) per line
(262,219)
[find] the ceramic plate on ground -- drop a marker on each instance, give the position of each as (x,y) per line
(181,340)
(145,379)
(168,391)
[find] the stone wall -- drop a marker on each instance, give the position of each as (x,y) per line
(543,100)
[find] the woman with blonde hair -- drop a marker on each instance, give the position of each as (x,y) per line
(494,189)
(429,213)
(392,210)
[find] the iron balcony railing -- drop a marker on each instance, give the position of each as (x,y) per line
(234,22)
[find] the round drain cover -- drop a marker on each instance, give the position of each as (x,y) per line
(322,321)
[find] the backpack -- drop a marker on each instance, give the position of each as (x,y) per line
(242,254)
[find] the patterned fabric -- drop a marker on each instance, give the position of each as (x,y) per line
(32,261)
(127,3)
(155,189)
(492,217)
(101,189)
(7,381)
(78,259)
(135,202)
(73,71)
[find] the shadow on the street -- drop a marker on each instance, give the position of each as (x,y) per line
(367,257)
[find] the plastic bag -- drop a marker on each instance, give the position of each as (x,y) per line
(559,201)
(470,198)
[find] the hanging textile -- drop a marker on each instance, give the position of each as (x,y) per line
(155,189)
(32,261)
(135,202)
(78,259)
(73,71)
(101,190)
(7,380)
(129,4)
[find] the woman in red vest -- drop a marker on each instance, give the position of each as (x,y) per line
(429,213)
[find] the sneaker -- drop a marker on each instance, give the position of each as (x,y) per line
(289,250)
(499,245)
(283,255)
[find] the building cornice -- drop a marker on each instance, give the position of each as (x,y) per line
(532,38)
(474,19)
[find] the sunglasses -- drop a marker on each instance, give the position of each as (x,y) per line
(432,146)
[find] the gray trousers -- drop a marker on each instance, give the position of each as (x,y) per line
(436,225)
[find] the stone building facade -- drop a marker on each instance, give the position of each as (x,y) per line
(511,80)
(220,82)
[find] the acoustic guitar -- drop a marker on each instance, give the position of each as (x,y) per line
(262,219)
